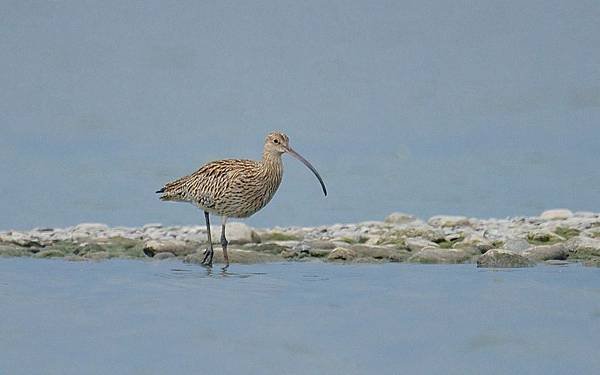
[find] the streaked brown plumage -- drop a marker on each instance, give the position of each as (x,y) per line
(235,187)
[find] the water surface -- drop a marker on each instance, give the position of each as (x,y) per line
(124,317)
(484,108)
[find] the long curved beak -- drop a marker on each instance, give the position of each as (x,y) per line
(312,169)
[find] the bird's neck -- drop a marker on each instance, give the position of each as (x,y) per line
(270,173)
(271,161)
(272,169)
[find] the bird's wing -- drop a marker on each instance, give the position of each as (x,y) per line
(206,184)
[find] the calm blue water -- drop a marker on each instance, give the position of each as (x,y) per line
(430,107)
(133,317)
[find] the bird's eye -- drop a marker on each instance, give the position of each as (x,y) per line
(275,141)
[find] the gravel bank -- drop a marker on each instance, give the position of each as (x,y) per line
(553,237)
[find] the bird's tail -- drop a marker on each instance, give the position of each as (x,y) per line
(165,194)
(170,192)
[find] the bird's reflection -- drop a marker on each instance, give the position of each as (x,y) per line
(200,272)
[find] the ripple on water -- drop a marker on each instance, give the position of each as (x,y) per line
(313,278)
(336,319)
(205,272)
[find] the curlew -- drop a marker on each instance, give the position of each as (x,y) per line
(234,187)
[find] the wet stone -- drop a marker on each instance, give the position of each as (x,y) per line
(175,247)
(499,258)
(318,253)
(14,251)
(390,254)
(341,253)
(401,238)
(544,236)
(97,255)
(439,255)
(583,248)
(474,241)
(49,254)
(270,248)
(289,254)
(417,244)
(546,252)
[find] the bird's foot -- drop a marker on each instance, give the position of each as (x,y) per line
(225,267)
(208,258)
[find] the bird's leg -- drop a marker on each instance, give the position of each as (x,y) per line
(224,243)
(208,253)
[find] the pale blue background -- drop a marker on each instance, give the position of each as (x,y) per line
(480,108)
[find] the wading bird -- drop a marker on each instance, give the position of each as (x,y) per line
(234,187)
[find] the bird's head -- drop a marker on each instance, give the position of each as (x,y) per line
(278,143)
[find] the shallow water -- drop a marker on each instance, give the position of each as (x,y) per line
(144,317)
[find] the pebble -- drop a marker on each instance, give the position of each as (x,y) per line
(438,255)
(556,214)
(516,244)
(340,253)
(399,218)
(500,258)
(417,244)
(153,248)
(546,252)
(555,235)
(447,221)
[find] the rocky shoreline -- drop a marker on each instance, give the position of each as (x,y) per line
(555,237)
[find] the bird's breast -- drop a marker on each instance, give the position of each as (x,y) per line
(248,193)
